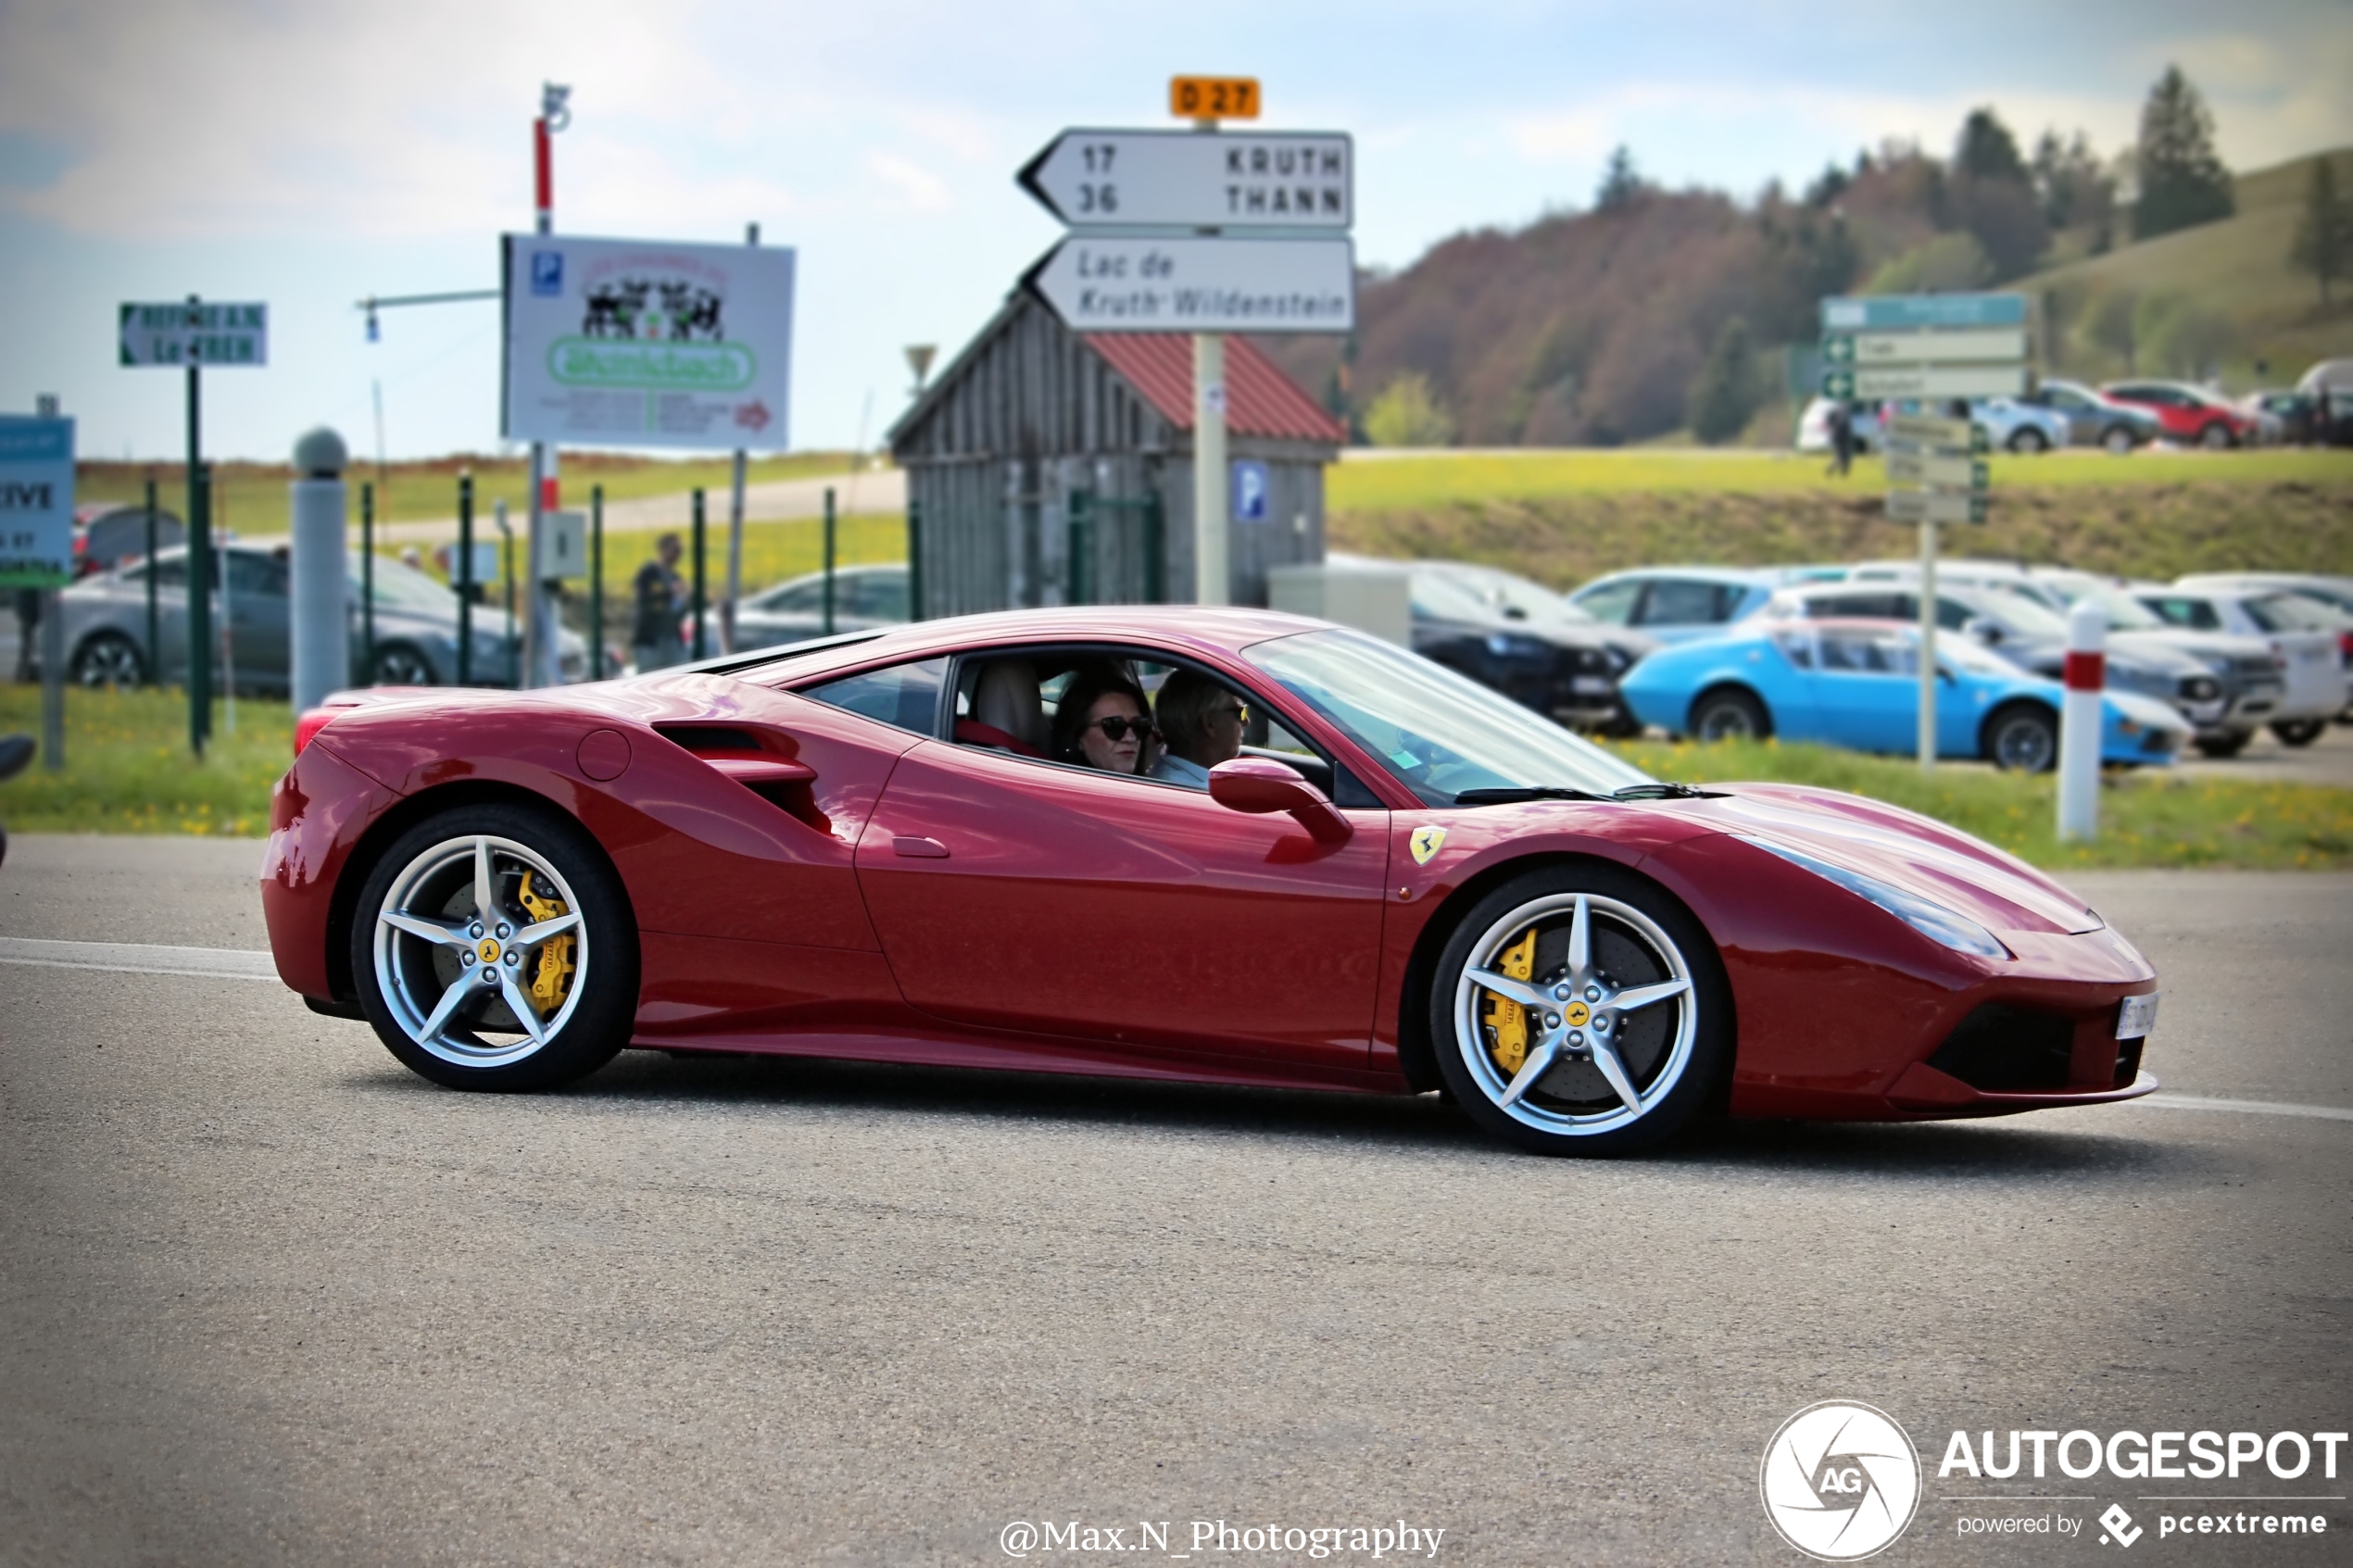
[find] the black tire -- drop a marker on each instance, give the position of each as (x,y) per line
(2022,737)
(2028,440)
(2216,436)
(2299,731)
(430,870)
(1729,713)
(1673,1053)
(108,659)
(2230,742)
(401,664)
(2119,440)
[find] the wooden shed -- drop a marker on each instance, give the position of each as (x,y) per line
(1048,467)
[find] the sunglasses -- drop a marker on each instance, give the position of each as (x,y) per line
(1116,728)
(1238,713)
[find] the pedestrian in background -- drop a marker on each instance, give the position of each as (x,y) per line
(28,630)
(662,599)
(1842,423)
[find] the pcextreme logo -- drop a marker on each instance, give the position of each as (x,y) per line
(1840,1480)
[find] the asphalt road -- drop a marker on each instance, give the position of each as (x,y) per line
(265,1298)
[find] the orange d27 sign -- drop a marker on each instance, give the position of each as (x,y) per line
(1214,97)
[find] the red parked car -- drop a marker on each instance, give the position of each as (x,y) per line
(1367,873)
(2187,413)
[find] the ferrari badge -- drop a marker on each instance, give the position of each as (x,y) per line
(1426,842)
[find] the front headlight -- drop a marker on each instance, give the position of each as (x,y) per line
(1935,922)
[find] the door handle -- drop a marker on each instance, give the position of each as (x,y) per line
(918,849)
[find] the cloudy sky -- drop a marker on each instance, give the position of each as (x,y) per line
(309,155)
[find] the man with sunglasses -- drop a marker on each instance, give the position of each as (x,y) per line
(1202,723)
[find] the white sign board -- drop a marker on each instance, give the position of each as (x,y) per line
(1930,381)
(1199,284)
(1991,345)
(1196,180)
(638,343)
(36,502)
(1935,506)
(1936,471)
(180,335)
(1929,431)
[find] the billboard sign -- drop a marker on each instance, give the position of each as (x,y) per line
(36,502)
(640,342)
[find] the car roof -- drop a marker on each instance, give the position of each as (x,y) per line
(1209,629)
(1741,576)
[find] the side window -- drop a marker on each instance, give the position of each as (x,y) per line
(1796,646)
(878,595)
(906,696)
(1612,602)
(2197,614)
(255,576)
(1867,653)
(1952,615)
(797,598)
(1676,601)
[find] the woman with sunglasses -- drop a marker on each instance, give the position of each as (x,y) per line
(1102,721)
(1202,722)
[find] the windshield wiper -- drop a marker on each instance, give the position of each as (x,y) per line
(1665,792)
(1508,794)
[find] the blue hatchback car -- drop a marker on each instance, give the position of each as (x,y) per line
(1857,683)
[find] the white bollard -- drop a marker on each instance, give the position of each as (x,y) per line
(2080,721)
(319,628)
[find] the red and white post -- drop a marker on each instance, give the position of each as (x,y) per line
(2080,721)
(542,663)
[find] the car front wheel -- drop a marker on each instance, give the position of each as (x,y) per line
(2029,441)
(2216,436)
(108,660)
(2299,731)
(2119,440)
(2228,743)
(1729,713)
(1578,1010)
(494,948)
(2023,737)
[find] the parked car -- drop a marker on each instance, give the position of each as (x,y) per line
(106,534)
(2010,424)
(696,889)
(2334,591)
(2307,637)
(2188,413)
(1856,684)
(2094,418)
(1565,669)
(1675,604)
(2283,417)
(867,599)
(106,625)
(2025,632)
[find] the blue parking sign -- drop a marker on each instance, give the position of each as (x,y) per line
(36,502)
(1251,491)
(547,273)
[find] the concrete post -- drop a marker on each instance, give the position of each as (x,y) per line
(1213,571)
(319,624)
(2080,721)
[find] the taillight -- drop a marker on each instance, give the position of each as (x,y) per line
(2344,646)
(307,727)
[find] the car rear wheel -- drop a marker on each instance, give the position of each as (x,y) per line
(2029,440)
(2022,737)
(2119,440)
(2216,436)
(108,659)
(2230,742)
(1580,1009)
(494,948)
(2299,731)
(1729,713)
(399,664)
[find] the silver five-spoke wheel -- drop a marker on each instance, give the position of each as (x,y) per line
(480,951)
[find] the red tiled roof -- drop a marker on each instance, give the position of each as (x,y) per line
(1260,399)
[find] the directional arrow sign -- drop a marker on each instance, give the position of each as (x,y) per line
(1913,312)
(1927,382)
(1996,344)
(1130,284)
(1941,473)
(1935,506)
(182,334)
(1931,431)
(1196,180)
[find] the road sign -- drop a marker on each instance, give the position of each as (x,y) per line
(1936,470)
(1935,506)
(642,343)
(1196,180)
(1214,97)
(1926,382)
(180,335)
(1251,489)
(36,502)
(1130,284)
(1916,312)
(1878,350)
(1931,431)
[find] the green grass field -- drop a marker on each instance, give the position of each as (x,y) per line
(129,771)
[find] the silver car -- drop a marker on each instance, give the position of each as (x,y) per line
(416,626)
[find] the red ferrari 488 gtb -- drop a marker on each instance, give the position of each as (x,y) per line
(1166,842)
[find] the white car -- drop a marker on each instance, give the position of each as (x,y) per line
(2307,635)
(2010,425)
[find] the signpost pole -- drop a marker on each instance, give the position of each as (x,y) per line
(596,582)
(52,679)
(735,523)
(526,645)
(915,558)
(701,635)
(1928,644)
(829,561)
(199,562)
(368,581)
(155,618)
(462,578)
(1213,574)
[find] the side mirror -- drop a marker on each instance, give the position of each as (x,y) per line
(1260,786)
(1984,631)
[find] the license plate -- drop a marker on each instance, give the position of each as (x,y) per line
(1595,685)
(2136,1017)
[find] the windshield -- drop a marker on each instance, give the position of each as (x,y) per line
(1442,598)
(404,587)
(2124,613)
(2026,616)
(1531,599)
(1437,732)
(2294,612)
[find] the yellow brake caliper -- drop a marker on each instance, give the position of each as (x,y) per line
(552,978)
(1507,1020)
